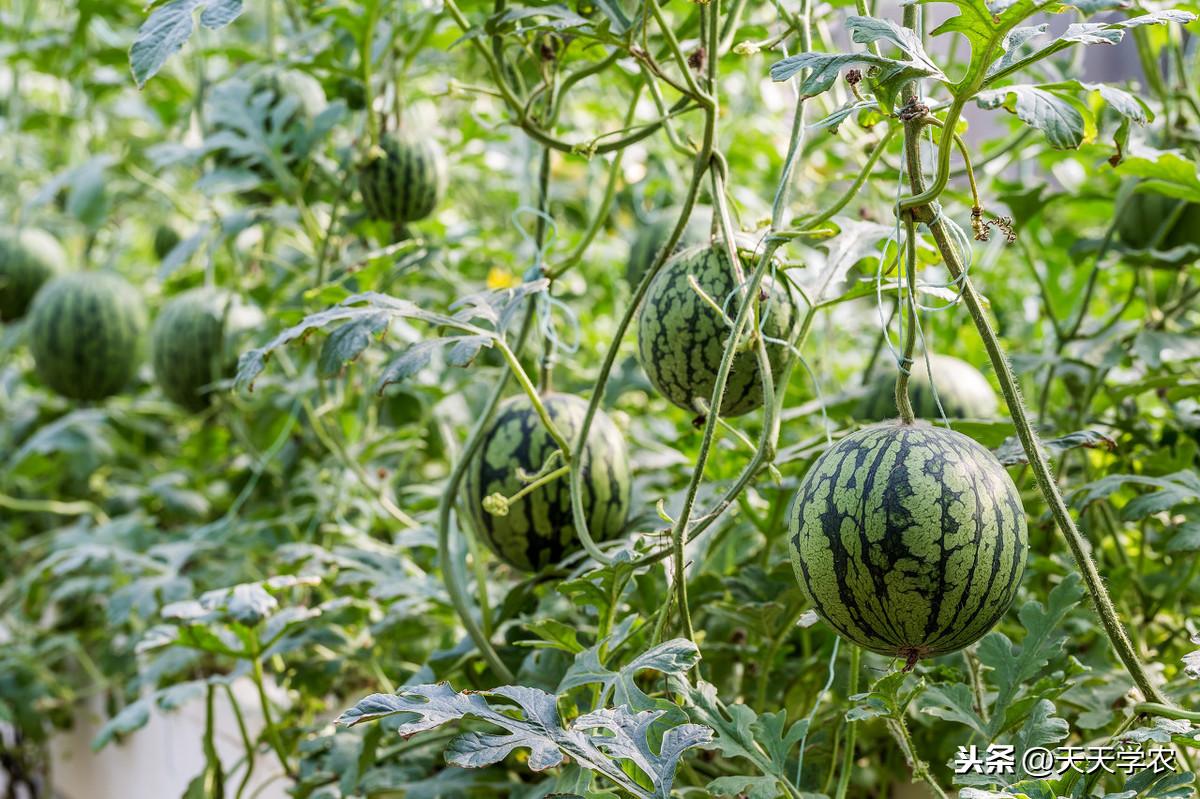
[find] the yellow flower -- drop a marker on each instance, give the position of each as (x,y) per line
(500,278)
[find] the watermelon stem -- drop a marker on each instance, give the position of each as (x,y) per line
(920,202)
(903,402)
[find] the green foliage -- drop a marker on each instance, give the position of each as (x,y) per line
(314,535)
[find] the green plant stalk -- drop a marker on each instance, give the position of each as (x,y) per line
(1012,396)
(679,529)
(903,401)
(531,391)
(365,66)
(272,732)
(843,782)
(598,219)
(700,166)
(458,593)
(211,759)
(247,744)
(851,192)
(920,769)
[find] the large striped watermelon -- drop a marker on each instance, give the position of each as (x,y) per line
(653,235)
(910,540)
(538,530)
(86,334)
(190,347)
(403,179)
(964,391)
(27,260)
(681,337)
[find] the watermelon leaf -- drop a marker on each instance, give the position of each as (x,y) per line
(531,721)
(168,28)
(675,657)
(1012,668)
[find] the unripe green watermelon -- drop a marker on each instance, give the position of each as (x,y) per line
(27,260)
(189,347)
(964,391)
(86,334)
(292,101)
(910,540)
(403,179)
(652,236)
(1145,212)
(539,530)
(681,337)
(165,239)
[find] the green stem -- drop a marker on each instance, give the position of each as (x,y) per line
(903,402)
(848,754)
(1016,406)
(247,743)
(1166,711)
(852,191)
(534,397)
(920,768)
(454,586)
(272,732)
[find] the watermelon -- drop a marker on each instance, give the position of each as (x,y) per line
(189,344)
(403,179)
(654,234)
(681,337)
(964,391)
(1145,212)
(27,260)
(165,239)
(909,540)
(86,334)
(539,530)
(287,101)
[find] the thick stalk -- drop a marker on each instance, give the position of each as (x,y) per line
(1012,397)
(458,593)
(909,294)
(848,754)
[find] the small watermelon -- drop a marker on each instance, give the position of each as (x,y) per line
(86,334)
(190,345)
(1145,212)
(165,239)
(539,530)
(27,260)
(654,234)
(909,540)
(964,391)
(288,102)
(403,179)
(681,337)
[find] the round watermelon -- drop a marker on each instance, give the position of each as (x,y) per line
(909,540)
(165,239)
(538,529)
(1145,212)
(653,235)
(681,337)
(27,260)
(189,346)
(86,334)
(287,102)
(964,391)
(403,179)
